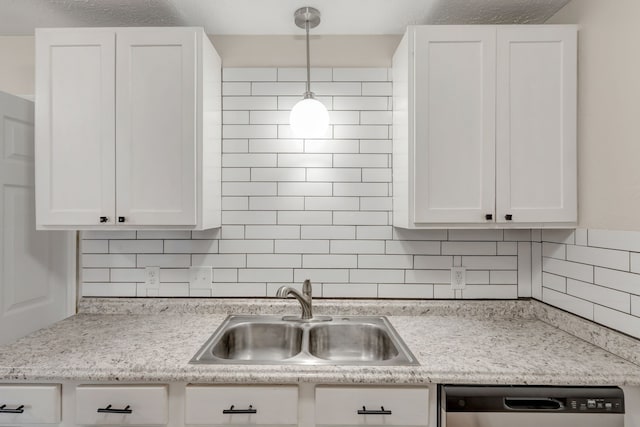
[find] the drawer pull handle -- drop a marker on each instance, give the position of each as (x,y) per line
(365,411)
(231,410)
(110,410)
(17,410)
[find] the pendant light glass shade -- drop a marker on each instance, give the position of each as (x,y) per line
(309,118)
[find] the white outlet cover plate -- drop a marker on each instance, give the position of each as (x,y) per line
(200,277)
(458,277)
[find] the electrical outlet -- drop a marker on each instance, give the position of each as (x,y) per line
(458,277)
(152,278)
(200,277)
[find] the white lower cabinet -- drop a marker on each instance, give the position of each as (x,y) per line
(395,406)
(244,405)
(122,405)
(29,404)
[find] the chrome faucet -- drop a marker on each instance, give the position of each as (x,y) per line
(303,298)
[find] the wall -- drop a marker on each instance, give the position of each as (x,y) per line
(318,209)
(608,111)
(17,66)
(592,273)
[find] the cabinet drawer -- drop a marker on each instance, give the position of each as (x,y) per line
(123,405)
(218,405)
(40,404)
(364,405)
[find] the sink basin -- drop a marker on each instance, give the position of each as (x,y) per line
(355,342)
(271,340)
(258,341)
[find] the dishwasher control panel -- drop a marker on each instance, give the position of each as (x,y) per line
(597,405)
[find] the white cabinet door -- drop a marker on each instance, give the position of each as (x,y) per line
(156,126)
(37,268)
(75,102)
(536,124)
(454,159)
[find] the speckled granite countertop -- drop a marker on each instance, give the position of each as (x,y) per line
(491,342)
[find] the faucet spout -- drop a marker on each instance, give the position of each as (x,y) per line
(303,298)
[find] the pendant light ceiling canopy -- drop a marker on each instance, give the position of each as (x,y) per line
(309,118)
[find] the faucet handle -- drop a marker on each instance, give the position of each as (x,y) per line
(306,287)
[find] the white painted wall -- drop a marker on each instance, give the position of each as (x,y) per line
(17,65)
(17,61)
(608,111)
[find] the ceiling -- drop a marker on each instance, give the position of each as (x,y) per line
(20,17)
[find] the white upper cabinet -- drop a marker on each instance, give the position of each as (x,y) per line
(484,127)
(536,114)
(127,129)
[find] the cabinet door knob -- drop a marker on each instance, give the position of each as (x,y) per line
(508,217)
(120,219)
(488,217)
(104,219)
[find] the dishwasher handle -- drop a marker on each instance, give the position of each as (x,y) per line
(533,404)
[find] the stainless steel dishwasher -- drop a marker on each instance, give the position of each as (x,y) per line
(509,406)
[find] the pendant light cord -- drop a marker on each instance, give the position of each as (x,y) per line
(306,26)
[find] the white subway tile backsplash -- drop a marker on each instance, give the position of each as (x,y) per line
(361,160)
(376,145)
(201,246)
(300,74)
(302,246)
(376,175)
(469,248)
(557,283)
(376,204)
(507,248)
(110,235)
(612,239)
(366,232)
(230,290)
(360,74)
(244,103)
(95,246)
(490,291)
(620,280)
(109,290)
(234,118)
(236,174)
(403,234)
(220,260)
(274,261)
(278,174)
(363,275)
(249,74)
(536,270)
(304,218)
(276,145)
(360,218)
(315,160)
(108,261)
(321,275)
(477,235)
(230,232)
(559,236)
(235,203)
(377,89)
(276,203)
(618,260)
(249,160)
(331,145)
(334,175)
(344,118)
(225,275)
(329,261)
(489,262)
(235,145)
(337,88)
(498,277)
(246,246)
(357,247)
(369,189)
(433,262)
(272,232)
(635,305)
(617,320)
(331,203)
(569,303)
(554,250)
(170,261)
(385,261)
(249,217)
(361,131)
(428,276)
(327,232)
(349,290)
(128,275)
(265,275)
(136,246)
(412,247)
(287,102)
(236,88)
(568,269)
(616,300)
(517,235)
(278,88)
(414,291)
(581,237)
(174,275)
(95,274)
(361,103)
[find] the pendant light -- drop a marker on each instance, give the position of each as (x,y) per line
(309,117)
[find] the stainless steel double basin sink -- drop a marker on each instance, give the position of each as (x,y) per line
(342,340)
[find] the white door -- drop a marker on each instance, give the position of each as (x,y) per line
(455,124)
(156,122)
(37,268)
(75,101)
(536,124)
